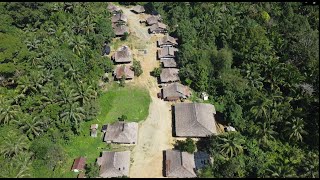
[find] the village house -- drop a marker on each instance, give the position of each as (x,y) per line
(122,132)
(194,120)
(169,75)
(123,55)
(78,164)
(158,28)
(166,52)
(179,164)
(114,164)
(113,9)
(175,91)
(168,63)
(120,30)
(123,70)
(94,128)
(152,20)
(138,9)
(119,19)
(167,41)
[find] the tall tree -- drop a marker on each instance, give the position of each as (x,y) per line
(295,129)
(14,144)
(32,126)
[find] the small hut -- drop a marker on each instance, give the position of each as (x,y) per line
(78,164)
(204,96)
(94,128)
(138,9)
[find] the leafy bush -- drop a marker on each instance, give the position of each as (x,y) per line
(136,67)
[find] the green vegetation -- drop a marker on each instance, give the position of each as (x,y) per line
(122,82)
(133,102)
(122,118)
(50,64)
(92,170)
(156,72)
(136,67)
(188,145)
(124,37)
(259,63)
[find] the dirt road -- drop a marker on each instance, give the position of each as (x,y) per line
(155,133)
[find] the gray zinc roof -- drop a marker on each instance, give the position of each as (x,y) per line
(169,74)
(176,90)
(194,119)
(122,55)
(152,20)
(179,164)
(169,63)
(122,132)
(138,9)
(114,164)
(119,17)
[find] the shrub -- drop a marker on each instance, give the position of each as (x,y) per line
(136,67)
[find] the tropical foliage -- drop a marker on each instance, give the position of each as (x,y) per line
(50,64)
(260,64)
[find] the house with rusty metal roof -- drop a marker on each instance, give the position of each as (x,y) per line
(123,70)
(79,164)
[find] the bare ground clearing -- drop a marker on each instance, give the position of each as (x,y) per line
(155,133)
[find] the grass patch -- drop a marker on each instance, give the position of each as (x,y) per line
(130,101)
(132,41)
(83,145)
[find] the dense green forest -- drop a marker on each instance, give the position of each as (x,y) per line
(50,64)
(259,62)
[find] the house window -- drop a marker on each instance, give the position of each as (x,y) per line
(119,169)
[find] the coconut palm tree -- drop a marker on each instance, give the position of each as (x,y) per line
(88,26)
(230,144)
(72,73)
(265,132)
(281,169)
(67,95)
(73,114)
(77,25)
(8,112)
(25,85)
(261,109)
(32,83)
(295,129)
(17,167)
(49,93)
(31,126)
(33,44)
(310,165)
(85,93)
(78,44)
(13,144)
